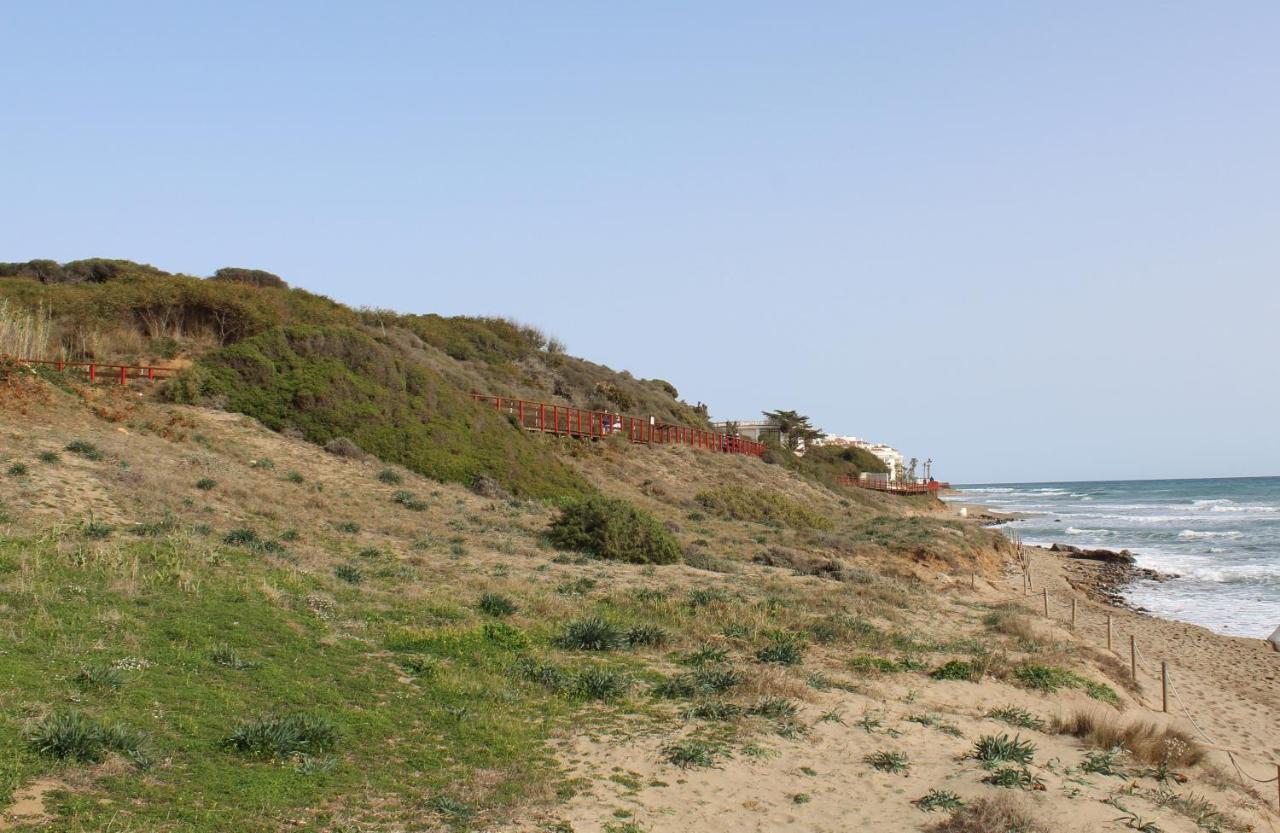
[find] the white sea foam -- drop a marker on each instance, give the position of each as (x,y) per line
(1073,530)
(1193,534)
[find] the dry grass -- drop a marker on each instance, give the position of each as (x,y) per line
(25,335)
(998,814)
(1011,619)
(1146,741)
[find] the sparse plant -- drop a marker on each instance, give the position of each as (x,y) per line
(955,669)
(692,752)
(350,573)
(295,477)
(783,649)
(349,527)
(450,808)
(243,537)
(996,814)
(601,683)
(936,799)
(1015,716)
(73,736)
(98,677)
(885,761)
(1014,777)
(227,657)
(50,457)
(774,708)
(98,531)
(706,654)
(592,634)
(283,735)
(700,682)
(998,749)
(714,710)
(801,798)
(645,636)
(205,484)
(1102,762)
(390,477)
(84,449)
(18,470)
(496,604)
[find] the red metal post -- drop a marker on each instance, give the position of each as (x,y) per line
(520,410)
(542,417)
(123,374)
(93,372)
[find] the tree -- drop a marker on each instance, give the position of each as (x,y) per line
(794,431)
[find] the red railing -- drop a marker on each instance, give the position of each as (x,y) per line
(879,485)
(115,372)
(575,422)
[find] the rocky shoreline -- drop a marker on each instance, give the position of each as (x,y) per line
(1103,575)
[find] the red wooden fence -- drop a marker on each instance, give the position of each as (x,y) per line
(575,422)
(930,487)
(115,372)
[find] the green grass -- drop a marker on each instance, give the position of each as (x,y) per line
(1019,717)
(1051,678)
(84,449)
(937,799)
(955,669)
(885,761)
(205,661)
(760,505)
(999,749)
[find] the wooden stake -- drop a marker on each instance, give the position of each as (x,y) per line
(973,581)
(1133,656)
(1073,614)
(1278,784)
(1164,687)
(1046,602)
(1109,632)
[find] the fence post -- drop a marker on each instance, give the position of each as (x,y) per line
(1073,613)
(542,417)
(1164,687)
(1133,657)
(1109,640)
(93,373)
(124,375)
(1046,602)
(973,581)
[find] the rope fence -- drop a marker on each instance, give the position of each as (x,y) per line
(1148,666)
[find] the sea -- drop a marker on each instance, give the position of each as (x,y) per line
(1219,537)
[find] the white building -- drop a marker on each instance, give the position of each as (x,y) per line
(890,456)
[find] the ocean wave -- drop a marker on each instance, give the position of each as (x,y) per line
(1215,502)
(1072,530)
(1193,534)
(1245,508)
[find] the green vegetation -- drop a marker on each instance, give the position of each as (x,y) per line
(894,762)
(1015,716)
(937,799)
(1050,678)
(495,604)
(761,506)
(330,382)
(999,749)
(283,735)
(73,736)
(955,669)
(87,450)
(613,529)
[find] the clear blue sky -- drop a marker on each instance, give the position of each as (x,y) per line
(1030,240)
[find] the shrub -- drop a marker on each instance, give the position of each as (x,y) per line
(349,527)
(1001,814)
(283,735)
(252,277)
(760,505)
(496,605)
(1014,777)
(1147,742)
(204,484)
(1047,678)
(784,649)
(594,634)
(226,656)
(390,477)
(98,531)
(87,450)
(937,799)
(294,477)
(49,457)
(613,529)
(18,470)
(774,708)
(714,710)
(408,501)
(956,669)
(243,537)
(262,463)
(706,654)
(343,447)
(700,683)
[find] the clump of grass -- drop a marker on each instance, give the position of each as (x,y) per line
(783,649)
(615,530)
(349,527)
(450,808)
(705,654)
(283,735)
(295,477)
(98,531)
(885,761)
(84,449)
(50,457)
(1014,778)
(496,604)
(73,736)
(868,664)
(243,537)
(1202,812)
(205,484)
(289,535)
(1102,762)
(262,463)
(647,636)
(998,814)
(1147,742)
(714,710)
(692,752)
(98,677)
(592,634)
(936,723)
(350,573)
(409,501)
(1015,716)
(227,657)
(390,477)
(701,682)
(774,708)
(999,749)
(1051,678)
(600,683)
(743,503)
(956,669)
(703,596)
(936,799)
(18,470)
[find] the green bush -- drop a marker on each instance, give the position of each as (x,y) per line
(204,484)
(18,470)
(87,450)
(760,505)
(73,736)
(783,649)
(495,604)
(593,634)
(613,529)
(955,669)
